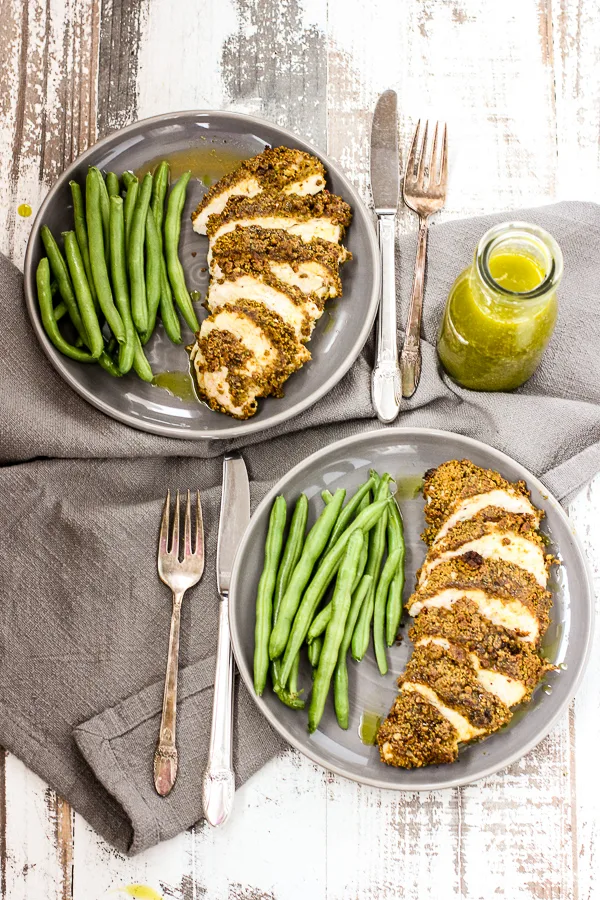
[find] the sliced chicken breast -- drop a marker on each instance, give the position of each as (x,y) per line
(504,593)
(311,266)
(295,308)
(491,541)
(321,216)
(416,733)
(457,490)
(242,352)
(279,169)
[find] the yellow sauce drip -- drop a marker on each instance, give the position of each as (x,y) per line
(141,892)
(179,384)
(368,727)
(24,210)
(409,487)
(206,161)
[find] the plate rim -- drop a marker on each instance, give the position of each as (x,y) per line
(249,426)
(404,433)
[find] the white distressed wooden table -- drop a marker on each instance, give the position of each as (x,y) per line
(518,83)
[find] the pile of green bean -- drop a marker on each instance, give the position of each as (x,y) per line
(343,551)
(120,267)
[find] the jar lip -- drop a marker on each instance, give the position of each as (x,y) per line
(495,235)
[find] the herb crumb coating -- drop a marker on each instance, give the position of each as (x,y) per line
(274,257)
(481,608)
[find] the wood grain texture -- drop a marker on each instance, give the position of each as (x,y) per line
(517,83)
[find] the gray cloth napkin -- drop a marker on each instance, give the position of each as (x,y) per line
(83,618)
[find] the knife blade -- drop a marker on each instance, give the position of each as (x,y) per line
(234,517)
(385,174)
(386,392)
(218,783)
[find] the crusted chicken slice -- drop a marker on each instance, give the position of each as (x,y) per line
(457,490)
(504,665)
(244,351)
(492,533)
(310,266)
(504,593)
(323,216)
(298,310)
(445,676)
(416,733)
(278,169)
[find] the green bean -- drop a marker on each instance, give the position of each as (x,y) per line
(153,257)
(104,210)
(340,678)
(360,638)
(320,582)
(394,602)
(159,192)
(175,206)
(349,511)
(341,602)
(157,205)
(364,553)
(319,623)
(141,366)
(83,294)
(47,313)
(326,496)
(82,236)
(313,547)
(264,595)
(291,555)
(128,178)
(60,310)
(118,264)
(63,279)
(109,365)
(135,255)
(385,579)
(97,255)
(314,651)
(131,196)
(112,185)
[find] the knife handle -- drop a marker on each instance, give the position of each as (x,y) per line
(386,389)
(218,785)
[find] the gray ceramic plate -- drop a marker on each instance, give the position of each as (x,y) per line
(209,143)
(407,454)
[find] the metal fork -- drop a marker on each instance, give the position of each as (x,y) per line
(425,193)
(179,575)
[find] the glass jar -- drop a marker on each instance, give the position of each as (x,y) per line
(501,311)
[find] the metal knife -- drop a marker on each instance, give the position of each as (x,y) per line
(386,386)
(218,786)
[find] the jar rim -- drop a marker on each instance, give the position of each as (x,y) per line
(495,235)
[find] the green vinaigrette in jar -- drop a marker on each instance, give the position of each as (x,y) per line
(501,311)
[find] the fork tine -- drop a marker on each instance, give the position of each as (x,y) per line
(421,170)
(433,160)
(444,165)
(163,537)
(410,166)
(187,528)
(174,550)
(199,546)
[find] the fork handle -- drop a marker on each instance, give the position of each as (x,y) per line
(410,359)
(165,756)
(218,784)
(385,380)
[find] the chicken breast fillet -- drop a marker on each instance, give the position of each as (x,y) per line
(279,169)
(244,351)
(312,266)
(481,609)
(321,216)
